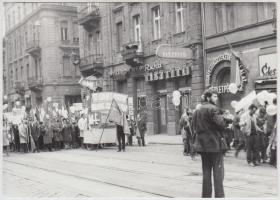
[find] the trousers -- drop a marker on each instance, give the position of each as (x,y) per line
(121,140)
(212,162)
(252,148)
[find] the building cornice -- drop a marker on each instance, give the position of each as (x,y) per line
(240,29)
(240,43)
(38,10)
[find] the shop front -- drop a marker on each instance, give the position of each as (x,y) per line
(252,69)
(162,77)
(267,79)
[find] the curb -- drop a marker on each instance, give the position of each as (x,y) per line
(165,143)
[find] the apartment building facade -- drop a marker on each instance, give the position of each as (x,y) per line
(118,42)
(40,39)
(250,28)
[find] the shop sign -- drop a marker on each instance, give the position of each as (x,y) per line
(167,74)
(268,65)
(221,89)
(223,57)
(166,51)
(155,66)
(130,107)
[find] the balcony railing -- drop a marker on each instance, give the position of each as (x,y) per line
(93,63)
(33,47)
(91,59)
(89,17)
(132,53)
(19,87)
(69,43)
(35,82)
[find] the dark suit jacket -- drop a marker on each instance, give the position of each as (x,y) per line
(208,125)
(120,131)
(35,131)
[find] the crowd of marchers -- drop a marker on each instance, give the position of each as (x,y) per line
(53,134)
(252,130)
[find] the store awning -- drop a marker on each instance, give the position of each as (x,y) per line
(266,84)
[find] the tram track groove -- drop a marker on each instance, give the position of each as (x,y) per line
(92,179)
(145,173)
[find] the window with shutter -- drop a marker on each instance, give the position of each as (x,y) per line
(66,66)
(98,42)
(156,23)
(179,17)
(137,28)
(75,32)
(230,15)
(64,30)
(219,17)
(119,36)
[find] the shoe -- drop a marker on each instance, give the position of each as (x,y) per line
(119,150)
(193,158)
(252,164)
(123,150)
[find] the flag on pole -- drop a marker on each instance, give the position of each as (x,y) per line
(115,114)
(37,113)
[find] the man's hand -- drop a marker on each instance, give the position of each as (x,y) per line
(268,150)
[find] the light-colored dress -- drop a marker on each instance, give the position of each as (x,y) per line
(6,136)
(23,134)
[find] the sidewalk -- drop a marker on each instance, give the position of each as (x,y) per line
(164,139)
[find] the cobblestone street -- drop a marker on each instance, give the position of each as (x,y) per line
(152,171)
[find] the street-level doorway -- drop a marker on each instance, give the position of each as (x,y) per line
(162,114)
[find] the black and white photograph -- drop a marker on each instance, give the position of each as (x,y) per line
(139,99)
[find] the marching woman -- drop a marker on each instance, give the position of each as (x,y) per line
(23,136)
(66,133)
(35,134)
(6,137)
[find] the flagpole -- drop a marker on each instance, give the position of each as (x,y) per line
(105,123)
(230,47)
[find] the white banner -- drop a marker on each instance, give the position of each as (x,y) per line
(102,101)
(17,115)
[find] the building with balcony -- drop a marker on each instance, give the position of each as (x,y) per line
(127,35)
(250,29)
(40,39)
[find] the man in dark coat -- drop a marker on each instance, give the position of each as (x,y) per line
(142,126)
(42,131)
(35,134)
(208,124)
(67,133)
(16,137)
(48,136)
(121,137)
(57,134)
